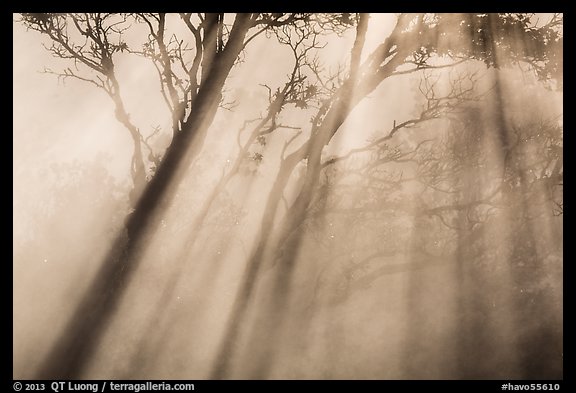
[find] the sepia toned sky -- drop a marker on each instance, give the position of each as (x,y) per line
(71,179)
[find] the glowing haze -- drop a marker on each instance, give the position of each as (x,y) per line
(433,253)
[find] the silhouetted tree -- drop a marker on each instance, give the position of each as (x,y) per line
(192,79)
(192,87)
(417,42)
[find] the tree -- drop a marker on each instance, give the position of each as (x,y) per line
(473,235)
(411,47)
(193,100)
(192,90)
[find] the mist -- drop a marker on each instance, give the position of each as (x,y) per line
(333,196)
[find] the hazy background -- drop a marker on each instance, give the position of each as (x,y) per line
(383,286)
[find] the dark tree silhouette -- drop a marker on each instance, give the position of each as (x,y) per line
(192,89)
(412,46)
(193,109)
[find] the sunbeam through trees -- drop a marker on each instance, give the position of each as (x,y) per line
(288,196)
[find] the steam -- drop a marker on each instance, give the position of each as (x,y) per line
(434,254)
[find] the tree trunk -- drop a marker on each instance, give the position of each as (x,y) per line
(286,243)
(89,319)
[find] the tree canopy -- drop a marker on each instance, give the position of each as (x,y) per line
(246,199)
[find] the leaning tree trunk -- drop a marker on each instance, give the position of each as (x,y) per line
(89,319)
(283,249)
